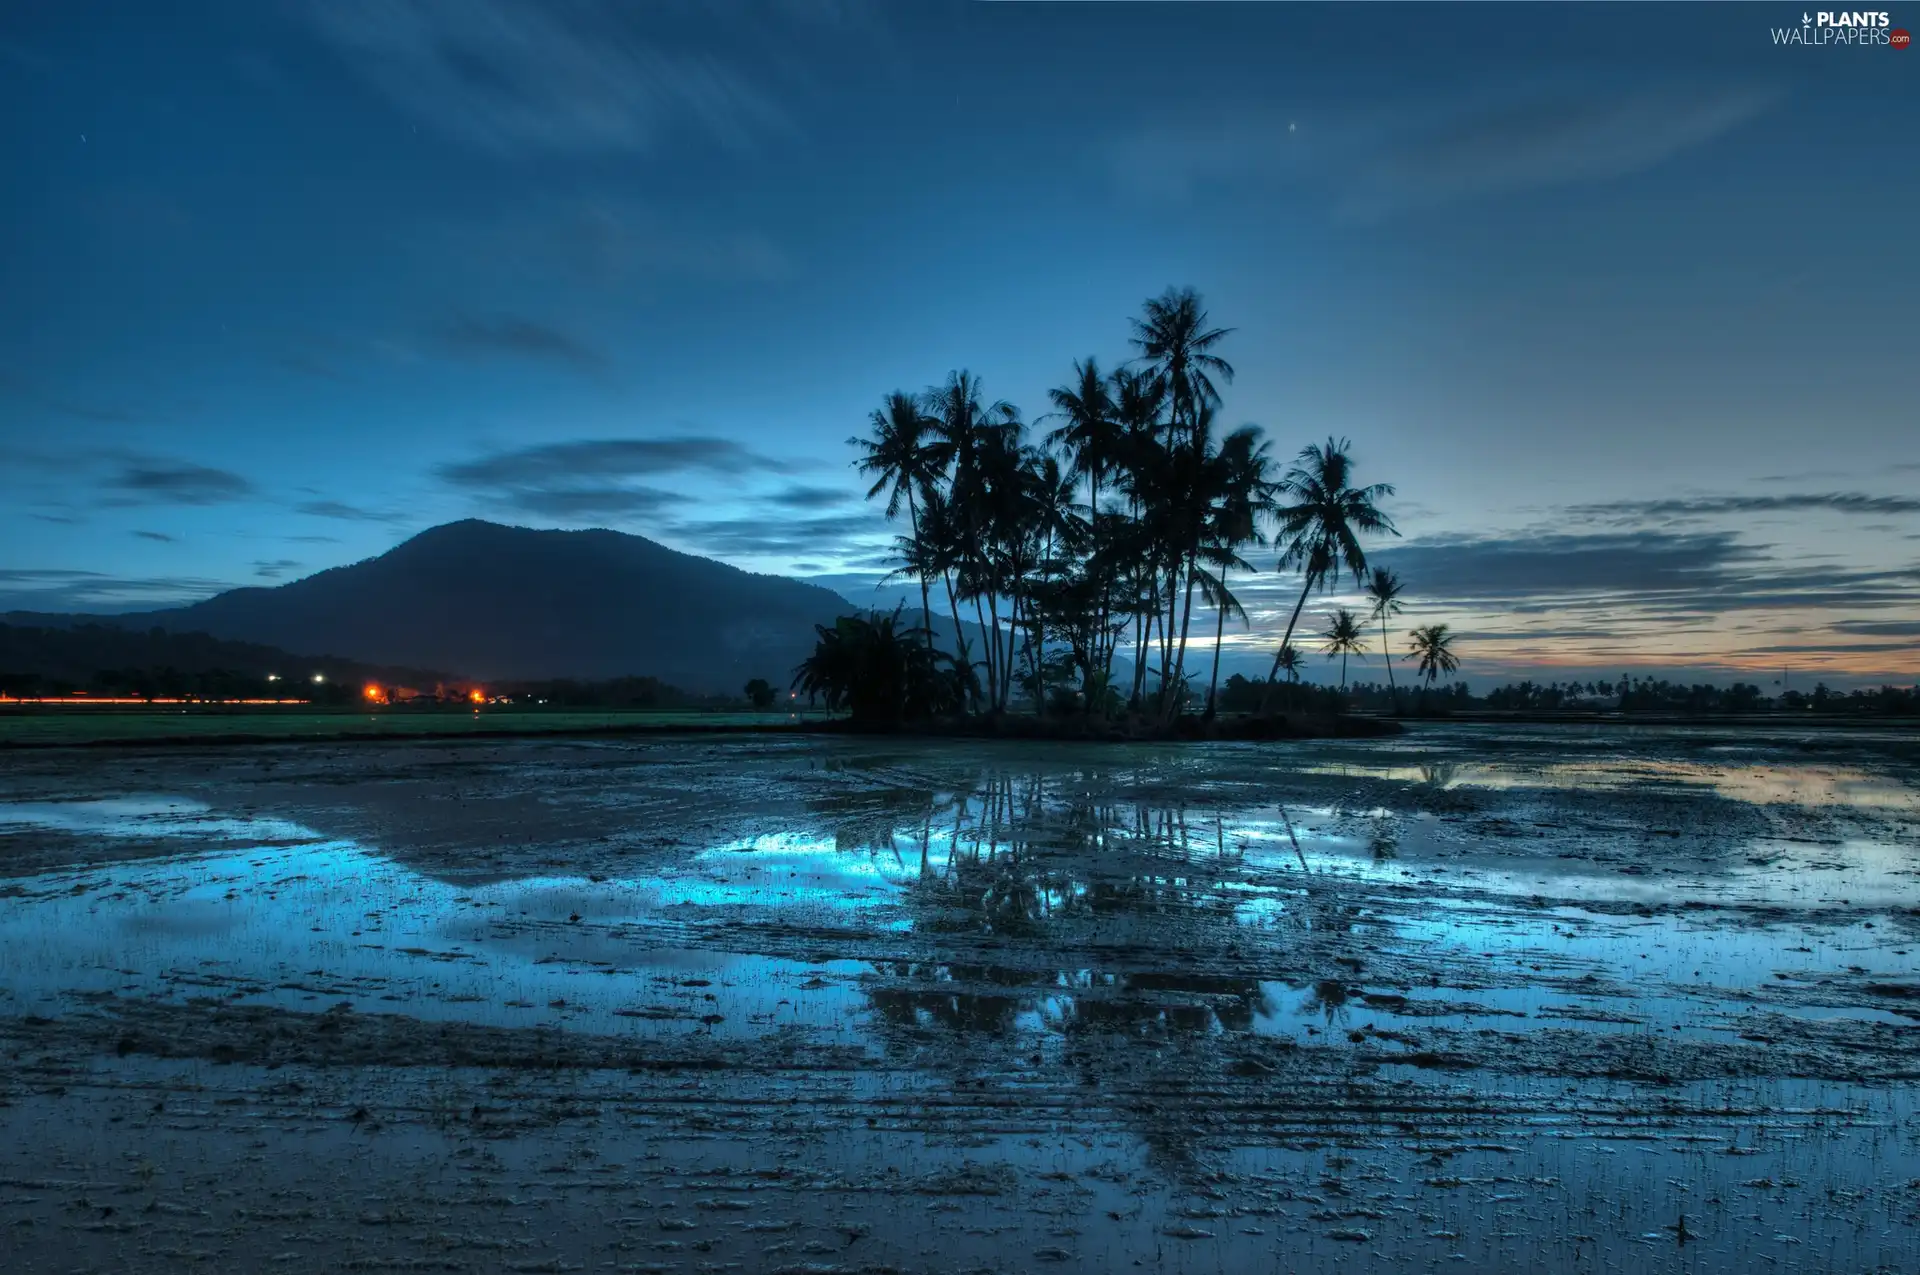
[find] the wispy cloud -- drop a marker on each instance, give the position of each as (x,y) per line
(800,496)
(609,457)
(175,483)
(160,536)
(591,502)
(1372,164)
(53,589)
(1700,507)
(345,512)
(835,536)
(582,77)
(516,337)
(275,568)
(601,478)
(1549,140)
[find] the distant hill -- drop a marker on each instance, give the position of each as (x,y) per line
(494,602)
(74,652)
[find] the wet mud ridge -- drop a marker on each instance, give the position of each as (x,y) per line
(1487,998)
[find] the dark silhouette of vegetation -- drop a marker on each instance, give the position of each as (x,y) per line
(615,692)
(760,693)
(1644,695)
(1093,543)
(880,673)
(1432,650)
(104,659)
(1321,524)
(1343,638)
(1383,599)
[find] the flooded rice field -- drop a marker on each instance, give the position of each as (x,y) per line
(1473,998)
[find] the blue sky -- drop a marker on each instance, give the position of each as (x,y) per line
(1620,297)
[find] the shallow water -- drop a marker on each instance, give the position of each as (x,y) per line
(1234,960)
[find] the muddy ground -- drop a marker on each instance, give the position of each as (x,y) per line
(1474,998)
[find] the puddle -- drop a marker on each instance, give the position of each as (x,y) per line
(1499,1000)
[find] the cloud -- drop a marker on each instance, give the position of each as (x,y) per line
(803,497)
(176,483)
(601,458)
(161,536)
(584,77)
(1880,628)
(1626,576)
(827,536)
(591,502)
(1373,164)
(1549,140)
(597,478)
(274,569)
(516,337)
(344,512)
(1503,569)
(1695,507)
(53,589)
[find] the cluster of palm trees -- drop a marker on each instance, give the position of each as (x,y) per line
(1094,538)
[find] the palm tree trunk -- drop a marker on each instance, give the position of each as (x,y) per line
(1219,633)
(959,636)
(926,606)
(1186,621)
(1343,672)
(1166,630)
(1386,650)
(988,641)
(1288,637)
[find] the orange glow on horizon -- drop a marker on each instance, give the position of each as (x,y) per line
(477,696)
(375,694)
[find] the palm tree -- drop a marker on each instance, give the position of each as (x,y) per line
(1383,591)
(1291,662)
(1241,496)
(876,670)
(898,455)
(1137,400)
(1432,646)
(1177,347)
(1093,432)
(1343,638)
(1320,529)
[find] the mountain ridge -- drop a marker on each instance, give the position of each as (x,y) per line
(492,601)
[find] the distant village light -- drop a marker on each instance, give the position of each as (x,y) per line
(319,677)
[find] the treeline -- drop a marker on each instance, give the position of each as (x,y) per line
(1638,695)
(618,692)
(154,663)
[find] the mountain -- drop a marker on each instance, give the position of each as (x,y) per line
(495,602)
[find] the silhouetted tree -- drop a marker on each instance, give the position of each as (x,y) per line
(1320,528)
(1383,594)
(1431,645)
(1343,638)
